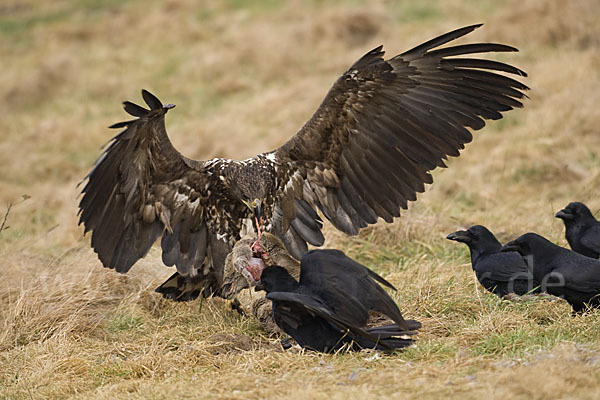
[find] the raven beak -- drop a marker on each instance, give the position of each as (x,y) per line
(259,287)
(564,214)
(511,246)
(460,236)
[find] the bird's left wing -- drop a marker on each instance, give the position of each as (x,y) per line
(382,127)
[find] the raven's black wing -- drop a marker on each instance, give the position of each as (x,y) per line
(348,287)
(292,305)
(502,267)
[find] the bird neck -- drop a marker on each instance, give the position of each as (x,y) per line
(580,224)
(483,249)
(278,279)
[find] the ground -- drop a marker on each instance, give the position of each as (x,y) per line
(245,75)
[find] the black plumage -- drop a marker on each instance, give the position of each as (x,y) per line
(328,308)
(365,153)
(499,272)
(561,272)
(582,230)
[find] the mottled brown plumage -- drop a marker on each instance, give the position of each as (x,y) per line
(364,154)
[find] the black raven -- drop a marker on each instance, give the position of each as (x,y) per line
(582,230)
(328,309)
(499,272)
(561,272)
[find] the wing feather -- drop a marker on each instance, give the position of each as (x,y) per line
(309,304)
(142,188)
(385,124)
(348,287)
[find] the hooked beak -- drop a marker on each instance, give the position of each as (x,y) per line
(257,210)
(460,236)
(564,214)
(254,206)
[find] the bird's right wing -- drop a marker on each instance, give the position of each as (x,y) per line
(347,286)
(142,188)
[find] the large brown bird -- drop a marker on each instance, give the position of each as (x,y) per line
(365,153)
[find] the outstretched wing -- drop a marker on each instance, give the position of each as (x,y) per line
(142,188)
(383,125)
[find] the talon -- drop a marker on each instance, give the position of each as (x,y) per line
(287,343)
(235,305)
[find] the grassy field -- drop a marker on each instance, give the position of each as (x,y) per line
(245,76)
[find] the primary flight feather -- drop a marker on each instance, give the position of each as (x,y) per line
(365,153)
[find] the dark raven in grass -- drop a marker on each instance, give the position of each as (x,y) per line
(499,272)
(328,308)
(561,272)
(582,230)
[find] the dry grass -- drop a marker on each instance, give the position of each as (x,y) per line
(246,75)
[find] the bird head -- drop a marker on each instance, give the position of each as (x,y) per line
(574,211)
(255,206)
(473,235)
(276,279)
(460,236)
(523,244)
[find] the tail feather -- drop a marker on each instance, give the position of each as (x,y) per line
(392,336)
(185,288)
